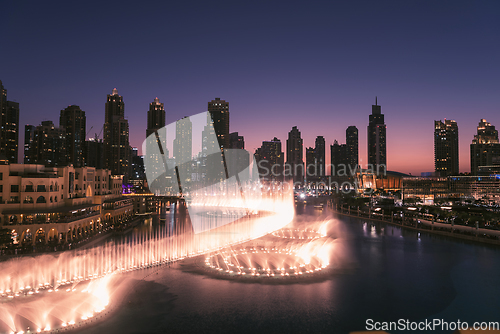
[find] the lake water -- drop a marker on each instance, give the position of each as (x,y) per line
(381,272)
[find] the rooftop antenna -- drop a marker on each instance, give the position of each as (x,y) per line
(375,100)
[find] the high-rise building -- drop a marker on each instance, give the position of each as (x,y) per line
(183,142)
(3,107)
(95,153)
(238,160)
(294,155)
(339,159)
(156,117)
(344,157)
(29,136)
(270,160)
(48,146)
(219,110)
(311,163)
(9,124)
(116,135)
(319,150)
(351,140)
(74,121)
(137,163)
(211,163)
(236,141)
(377,156)
(446,147)
(485,147)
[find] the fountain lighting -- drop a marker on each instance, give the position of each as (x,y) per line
(295,260)
(72,287)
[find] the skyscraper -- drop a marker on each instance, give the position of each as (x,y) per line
(74,122)
(344,157)
(485,147)
(311,163)
(95,153)
(48,146)
(294,156)
(156,116)
(270,160)
(9,124)
(339,159)
(29,136)
(351,139)
(183,142)
(116,135)
(377,156)
(236,141)
(219,110)
(238,159)
(319,150)
(446,147)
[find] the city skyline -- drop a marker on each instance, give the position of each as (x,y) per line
(465,160)
(421,71)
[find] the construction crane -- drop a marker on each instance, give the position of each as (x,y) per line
(86,136)
(100,132)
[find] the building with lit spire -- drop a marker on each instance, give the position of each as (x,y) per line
(116,135)
(485,147)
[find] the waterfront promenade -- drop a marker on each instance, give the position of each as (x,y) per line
(470,233)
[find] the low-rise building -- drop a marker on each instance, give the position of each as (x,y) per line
(59,204)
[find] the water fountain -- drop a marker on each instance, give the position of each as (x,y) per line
(48,293)
(294,253)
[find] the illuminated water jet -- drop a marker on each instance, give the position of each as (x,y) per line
(304,252)
(29,284)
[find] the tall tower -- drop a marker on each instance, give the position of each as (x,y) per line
(116,135)
(156,117)
(294,155)
(3,107)
(351,139)
(9,124)
(446,147)
(311,163)
(74,121)
(319,151)
(29,136)
(48,146)
(339,159)
(270,160)
(219,110)
(183,142)
(377,156)
(485,147)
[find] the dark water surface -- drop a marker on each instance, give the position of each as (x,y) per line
(383,273)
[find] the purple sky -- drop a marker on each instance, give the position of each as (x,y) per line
(315,65)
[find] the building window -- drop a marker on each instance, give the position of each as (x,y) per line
(41,199)
(1,188)
(28,199)
(1,176)
(14,199)
(29,188)
(14,188)
(40,188)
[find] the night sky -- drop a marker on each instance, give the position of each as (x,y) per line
(316,65)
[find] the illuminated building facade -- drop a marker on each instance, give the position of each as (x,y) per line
(446,147)
(377,152)
(485,147)
(116,135)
